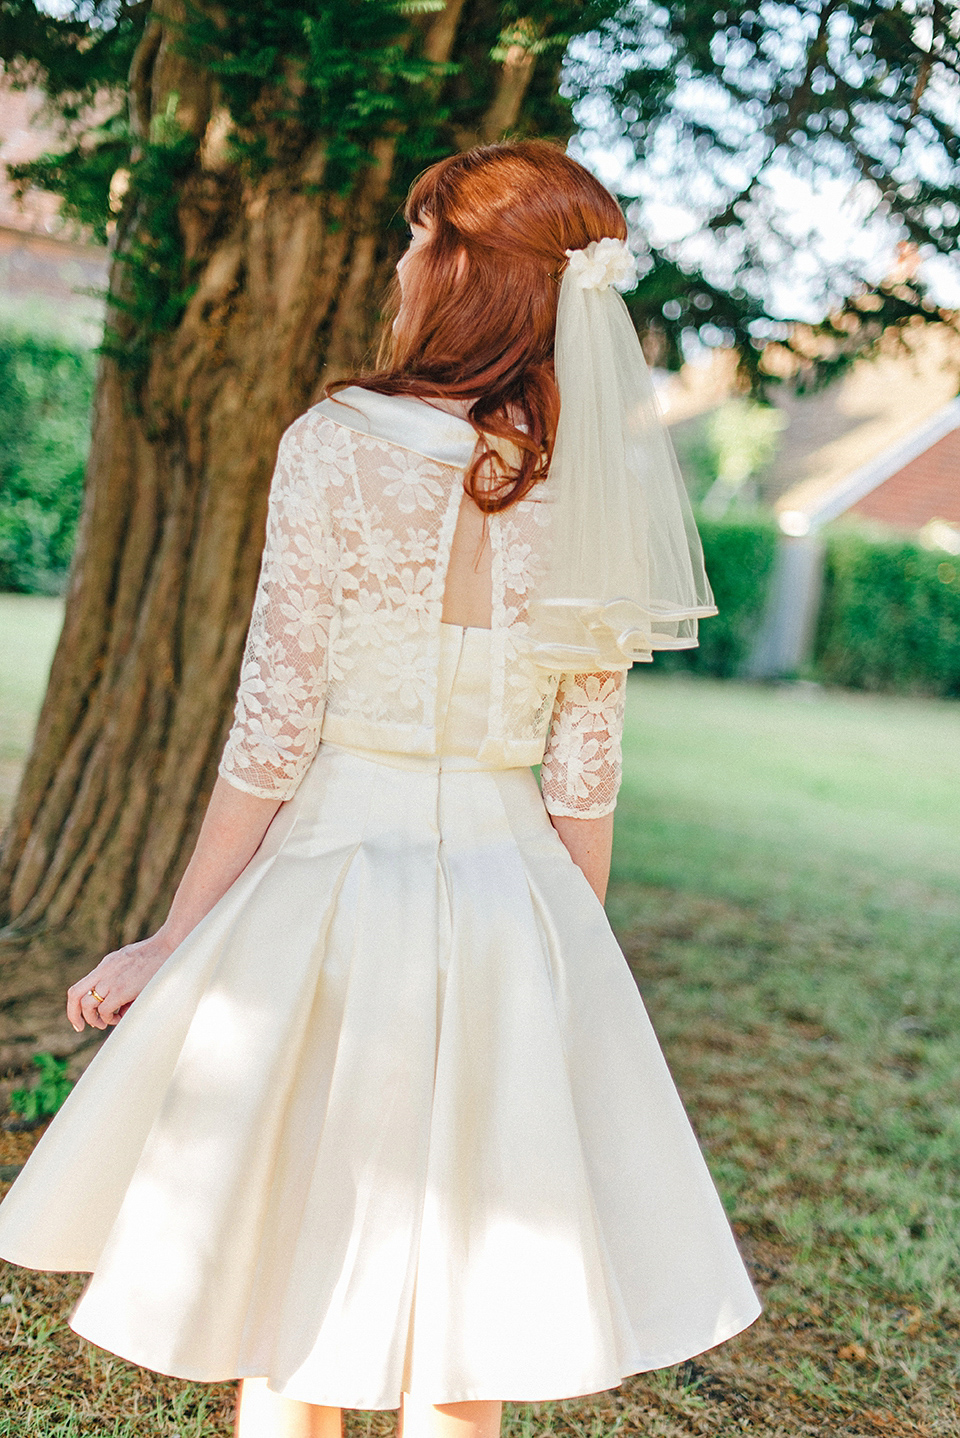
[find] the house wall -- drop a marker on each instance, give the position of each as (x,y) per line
(50,275)
(26,131)
(926,488)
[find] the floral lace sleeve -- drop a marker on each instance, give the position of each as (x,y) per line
(582,761)
(283,677)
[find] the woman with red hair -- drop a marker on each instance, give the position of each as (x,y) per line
(385,1124)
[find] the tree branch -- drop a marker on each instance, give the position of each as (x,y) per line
(443,32)
(504,110)
(141,72)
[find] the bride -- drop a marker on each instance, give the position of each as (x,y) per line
(385,1124)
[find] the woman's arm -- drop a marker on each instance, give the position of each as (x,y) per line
(232,832)
(580,775)
(589,842)
(276,728)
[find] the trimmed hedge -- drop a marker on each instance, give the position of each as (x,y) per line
(46,388)
(739,555)
(889,617)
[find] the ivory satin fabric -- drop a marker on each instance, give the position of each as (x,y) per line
(392,1116)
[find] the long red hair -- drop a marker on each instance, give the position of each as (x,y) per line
(480,321)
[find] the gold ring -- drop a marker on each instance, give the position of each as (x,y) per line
(94,995)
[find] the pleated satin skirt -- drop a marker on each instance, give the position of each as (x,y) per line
(392,1117)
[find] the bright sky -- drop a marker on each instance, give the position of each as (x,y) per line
(815,234)
(835,223)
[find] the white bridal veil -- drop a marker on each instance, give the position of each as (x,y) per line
(624,573)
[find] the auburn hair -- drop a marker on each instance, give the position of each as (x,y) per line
(479,322)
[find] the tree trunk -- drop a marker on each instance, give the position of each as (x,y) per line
(287,280)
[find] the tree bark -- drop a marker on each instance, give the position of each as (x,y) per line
(287,280)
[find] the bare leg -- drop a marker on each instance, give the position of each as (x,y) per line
(262,1414)
(449,1420)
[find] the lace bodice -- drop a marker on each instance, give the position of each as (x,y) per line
(345,634)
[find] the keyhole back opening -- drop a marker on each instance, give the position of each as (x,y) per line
(468,591)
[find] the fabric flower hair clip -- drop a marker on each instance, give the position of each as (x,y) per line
(601,264)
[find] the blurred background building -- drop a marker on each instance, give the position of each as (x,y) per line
(51,277)
(879,450)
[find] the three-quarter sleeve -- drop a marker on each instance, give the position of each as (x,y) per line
(283,677)
(581,770)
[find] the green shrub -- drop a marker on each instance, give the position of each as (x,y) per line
(739,555)
(890,617)
(45,394)
(47,1094)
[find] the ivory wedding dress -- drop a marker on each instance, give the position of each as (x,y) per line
(392,1116)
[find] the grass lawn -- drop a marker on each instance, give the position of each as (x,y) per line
(786,889)
(29,626)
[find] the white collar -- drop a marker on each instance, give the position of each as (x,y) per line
(404,420)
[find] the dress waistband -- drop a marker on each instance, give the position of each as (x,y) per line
(417,763)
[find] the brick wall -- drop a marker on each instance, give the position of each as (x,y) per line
(28,130)
(25,133)
(47,268)
(926,488)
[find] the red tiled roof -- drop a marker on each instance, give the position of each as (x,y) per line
(926,488)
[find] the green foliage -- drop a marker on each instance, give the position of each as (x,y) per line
(30,626)
(47,1094)
(291,73)
(694,454)
(785,884)
(890,617)
(342,71)
(45,393)
(79,51)
(739,555)
(81,176)
(672,301)
(723,450)
(719,102)
(351,74)
(158,282)
(744,438)
(858,88)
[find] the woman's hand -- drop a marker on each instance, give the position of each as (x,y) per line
(589,842)
(232,830)
(117,979)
